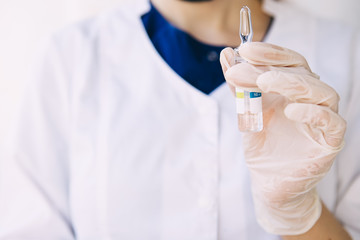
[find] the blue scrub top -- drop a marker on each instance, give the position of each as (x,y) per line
(194,61)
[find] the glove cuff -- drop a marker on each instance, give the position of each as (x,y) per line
(294,218)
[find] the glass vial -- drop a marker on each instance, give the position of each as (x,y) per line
(248,100)
(249,109)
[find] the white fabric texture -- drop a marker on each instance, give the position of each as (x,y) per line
(113,144)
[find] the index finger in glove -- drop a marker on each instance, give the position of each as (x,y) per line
(259,53)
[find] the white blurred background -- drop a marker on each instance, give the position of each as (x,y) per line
(25,25)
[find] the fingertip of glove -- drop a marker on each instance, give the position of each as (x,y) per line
(227,58)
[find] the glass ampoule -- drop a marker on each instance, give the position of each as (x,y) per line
(248,100)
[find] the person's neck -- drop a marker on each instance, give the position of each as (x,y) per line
(215,22)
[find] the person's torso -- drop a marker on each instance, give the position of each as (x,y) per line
(152,157)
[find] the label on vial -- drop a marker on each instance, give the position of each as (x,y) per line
(250,100)
(240,101)
(255,102)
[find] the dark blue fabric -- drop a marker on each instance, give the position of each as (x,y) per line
(196,62)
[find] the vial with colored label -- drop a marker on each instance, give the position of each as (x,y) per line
(248,100)
(249,109)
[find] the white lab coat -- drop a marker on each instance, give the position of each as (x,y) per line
(113,144)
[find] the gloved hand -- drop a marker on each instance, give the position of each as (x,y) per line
(301,137)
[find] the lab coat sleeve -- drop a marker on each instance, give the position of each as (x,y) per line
(34,190)
(348,204)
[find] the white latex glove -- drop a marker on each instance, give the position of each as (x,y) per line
(302,135)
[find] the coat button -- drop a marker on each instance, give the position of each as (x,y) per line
(212,56)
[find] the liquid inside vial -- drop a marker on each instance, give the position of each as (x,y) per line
(249,100)
(249,109)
